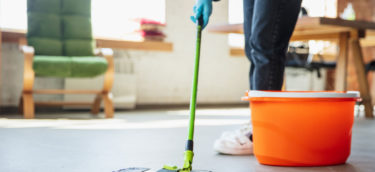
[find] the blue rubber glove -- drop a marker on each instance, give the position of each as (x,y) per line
(202,8)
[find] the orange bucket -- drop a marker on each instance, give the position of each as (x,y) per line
(302,128)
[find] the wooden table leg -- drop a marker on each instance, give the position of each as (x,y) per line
(342,63)
(361,75)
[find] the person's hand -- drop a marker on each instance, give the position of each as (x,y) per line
(202,8)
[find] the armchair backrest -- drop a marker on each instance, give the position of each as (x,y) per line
(60,27)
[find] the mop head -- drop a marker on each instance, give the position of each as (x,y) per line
(148,170)
(133,169)
(165,170)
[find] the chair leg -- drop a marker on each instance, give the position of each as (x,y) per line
(28,106)
(108,105)
(96,105)
(28,82)
(107,85)
(20,105)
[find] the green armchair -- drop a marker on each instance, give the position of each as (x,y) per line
(60,44)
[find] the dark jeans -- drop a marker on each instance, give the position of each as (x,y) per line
(268,26)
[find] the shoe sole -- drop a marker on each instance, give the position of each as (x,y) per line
(225,151)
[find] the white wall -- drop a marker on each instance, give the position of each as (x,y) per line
(163,77)
(166,77)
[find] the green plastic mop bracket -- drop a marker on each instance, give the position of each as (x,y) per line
(167,167)
(188,160)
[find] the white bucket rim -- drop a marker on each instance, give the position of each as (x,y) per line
(291,94)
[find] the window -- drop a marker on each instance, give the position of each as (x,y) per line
(13,14)
(115,18)
(235,11)
(110,18)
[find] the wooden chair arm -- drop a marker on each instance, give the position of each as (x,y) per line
(107,53)
(27,49)
(104,52)
(28,72)
(24,48)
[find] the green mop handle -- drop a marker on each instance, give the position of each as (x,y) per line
(193,99)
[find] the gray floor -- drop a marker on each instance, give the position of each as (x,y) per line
(77,142)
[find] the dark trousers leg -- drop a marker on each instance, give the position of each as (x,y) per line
(268,26)
(248,8)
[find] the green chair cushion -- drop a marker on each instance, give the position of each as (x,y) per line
(79,47)
(46,46)
(88,66)
(47,6)
(63,66)
(43,25)
(61,33)
(52,66)
(80,7)
(76,27)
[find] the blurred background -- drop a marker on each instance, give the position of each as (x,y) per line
(153,44)
(107,83)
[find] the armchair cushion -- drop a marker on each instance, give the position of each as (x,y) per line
(79,47)
(52,66)
(46,46)
(88,66)
(63,66)
(76,27)
(44,25)
(46,6)
(61,33)
(79,7)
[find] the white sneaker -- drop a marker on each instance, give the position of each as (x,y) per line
(235,142)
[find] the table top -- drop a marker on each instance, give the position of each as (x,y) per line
(308,26)
(14,36)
